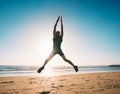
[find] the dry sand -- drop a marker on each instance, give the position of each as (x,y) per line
(96,83)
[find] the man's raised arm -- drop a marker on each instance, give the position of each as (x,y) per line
(61,27)
(54,31)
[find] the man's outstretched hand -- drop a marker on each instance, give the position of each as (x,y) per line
(61,18)
(58,18)
(56,22)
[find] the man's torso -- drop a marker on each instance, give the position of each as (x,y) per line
(57,43)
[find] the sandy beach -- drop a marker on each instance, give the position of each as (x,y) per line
(94,83)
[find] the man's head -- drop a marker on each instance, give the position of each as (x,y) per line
(57,33)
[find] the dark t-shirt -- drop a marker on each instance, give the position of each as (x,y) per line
(57,43)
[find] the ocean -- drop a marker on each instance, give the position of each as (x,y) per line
(13,70)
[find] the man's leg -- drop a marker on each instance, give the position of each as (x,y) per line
(46,61)
(65,59)
(49,58)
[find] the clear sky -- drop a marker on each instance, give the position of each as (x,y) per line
(91,31)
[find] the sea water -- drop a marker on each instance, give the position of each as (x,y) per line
(13,70)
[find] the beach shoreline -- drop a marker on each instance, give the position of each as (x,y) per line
(91,83)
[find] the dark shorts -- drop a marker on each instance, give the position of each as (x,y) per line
(58,51)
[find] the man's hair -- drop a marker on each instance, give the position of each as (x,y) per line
(58,32)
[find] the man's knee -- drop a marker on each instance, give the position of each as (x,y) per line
(46,60)
(66,59)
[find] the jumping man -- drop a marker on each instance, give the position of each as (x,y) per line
(57,40)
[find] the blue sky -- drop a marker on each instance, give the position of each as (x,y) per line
(92,31)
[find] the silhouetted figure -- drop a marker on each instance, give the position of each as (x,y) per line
(57,40)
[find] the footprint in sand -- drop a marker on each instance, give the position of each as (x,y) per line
(44,92)
(7,82)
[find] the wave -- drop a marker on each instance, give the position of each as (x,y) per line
(6,70)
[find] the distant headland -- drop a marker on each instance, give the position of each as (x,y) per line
(114,65)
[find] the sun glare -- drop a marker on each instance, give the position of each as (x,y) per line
(48,72)
(45,49)
(38,43)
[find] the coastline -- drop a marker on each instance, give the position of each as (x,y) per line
(92,83)
(15,70)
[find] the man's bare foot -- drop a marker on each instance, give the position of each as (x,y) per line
(76,68)
(40,69)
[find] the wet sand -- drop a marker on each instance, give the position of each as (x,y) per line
(94,83)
